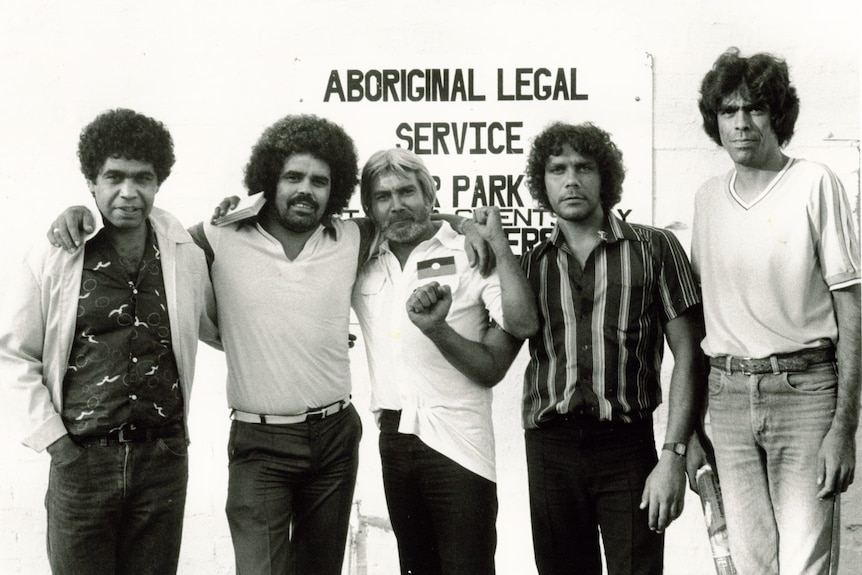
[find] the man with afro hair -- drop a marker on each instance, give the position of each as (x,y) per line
(98,345)
(283,280)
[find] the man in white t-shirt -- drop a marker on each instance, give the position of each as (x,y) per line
(283,280)
(775,246)
(438,336)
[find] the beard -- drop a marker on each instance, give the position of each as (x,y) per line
(299,221)
(404,231)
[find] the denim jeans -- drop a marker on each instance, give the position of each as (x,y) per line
(290,491)
(443,515)
(767,430)
(118,509)
(589,476)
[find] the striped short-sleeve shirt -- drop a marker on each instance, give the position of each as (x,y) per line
(601,339)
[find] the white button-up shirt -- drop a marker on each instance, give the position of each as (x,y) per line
(446,410)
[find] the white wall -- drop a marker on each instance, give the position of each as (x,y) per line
(217,73)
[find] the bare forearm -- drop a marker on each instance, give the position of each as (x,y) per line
(686,394)
(520,317)
(683,402)
(484,362)
(847,311)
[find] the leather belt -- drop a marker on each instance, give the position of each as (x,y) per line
(798,361)
(315,414)
(128,435)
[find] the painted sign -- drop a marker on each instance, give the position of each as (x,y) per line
(472,122)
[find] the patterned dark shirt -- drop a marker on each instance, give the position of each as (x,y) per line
(601,339)
(122,371)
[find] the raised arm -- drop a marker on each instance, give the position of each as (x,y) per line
(484,362)
(479,254)
(520,317)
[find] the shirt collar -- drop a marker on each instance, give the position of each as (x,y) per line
(613,230)
(330,228)
(445,235)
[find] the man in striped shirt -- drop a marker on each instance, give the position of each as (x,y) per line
(608,294)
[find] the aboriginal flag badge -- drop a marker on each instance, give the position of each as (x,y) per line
(435,267)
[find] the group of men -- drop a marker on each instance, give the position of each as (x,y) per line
(98,341)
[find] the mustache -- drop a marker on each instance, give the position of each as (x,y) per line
(305,199)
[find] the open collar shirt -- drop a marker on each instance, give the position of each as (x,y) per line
(122,371)
(445,409)
(601,337)
(38,318)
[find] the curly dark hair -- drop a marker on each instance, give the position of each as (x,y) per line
(124,133)
(760,79)
(304,134)
(586,139)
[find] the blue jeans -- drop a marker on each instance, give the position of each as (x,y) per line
(443,515)
(585,476)
(290,490)
(767,429)
(118,508)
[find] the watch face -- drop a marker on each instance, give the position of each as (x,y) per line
(678,448)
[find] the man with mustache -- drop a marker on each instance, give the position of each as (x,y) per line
(438,336)
(98,349)
(282,281)
(775,247)
(608,293)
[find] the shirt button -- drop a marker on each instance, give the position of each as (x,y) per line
(133,396)
(134,360)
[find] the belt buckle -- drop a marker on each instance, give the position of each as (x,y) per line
(745,365)
(316,415)
(324,412)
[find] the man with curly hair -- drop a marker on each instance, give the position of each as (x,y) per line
(608,293)
(775,247)
(283,281)
(99,348)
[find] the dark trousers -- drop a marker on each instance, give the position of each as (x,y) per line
(444,516)
(118,509)
(585,476)
(290,490)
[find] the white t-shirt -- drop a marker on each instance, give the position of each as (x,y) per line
(284,323)
(446,410)
(767,267)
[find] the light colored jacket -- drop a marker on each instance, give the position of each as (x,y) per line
(38,318)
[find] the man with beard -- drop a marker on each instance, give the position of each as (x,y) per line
(438,336)
(282,283)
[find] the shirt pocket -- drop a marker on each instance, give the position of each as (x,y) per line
(365,294)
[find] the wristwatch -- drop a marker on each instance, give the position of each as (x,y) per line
(677,448)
